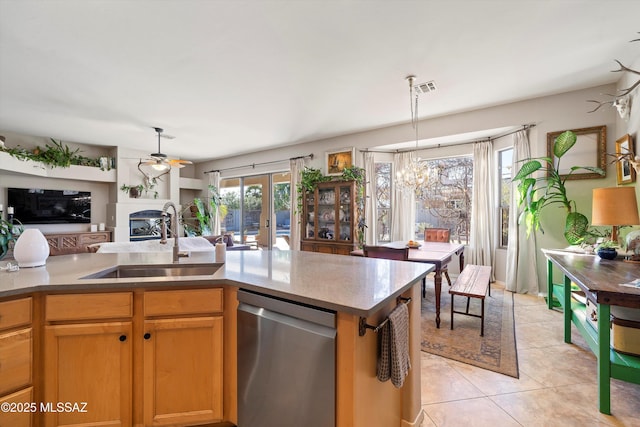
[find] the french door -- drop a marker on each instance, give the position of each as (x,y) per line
(258,209)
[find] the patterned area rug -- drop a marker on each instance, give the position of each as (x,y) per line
(496,351)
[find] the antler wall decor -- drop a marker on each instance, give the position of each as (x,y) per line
(620,101)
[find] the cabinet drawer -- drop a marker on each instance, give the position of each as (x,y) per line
(192,301)
(15,313)
(89,306)
(15,360)
(17,419)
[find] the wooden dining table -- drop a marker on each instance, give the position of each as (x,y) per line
(439,254)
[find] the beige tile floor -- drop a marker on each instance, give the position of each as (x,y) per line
(557,384)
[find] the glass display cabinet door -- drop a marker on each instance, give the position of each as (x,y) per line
(345,213)
(326,214)
(310,220)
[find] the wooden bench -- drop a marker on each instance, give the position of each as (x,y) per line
(473,282)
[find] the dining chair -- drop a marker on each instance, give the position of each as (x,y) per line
(400,254)
(439,235)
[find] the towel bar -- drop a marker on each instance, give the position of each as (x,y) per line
(363,325)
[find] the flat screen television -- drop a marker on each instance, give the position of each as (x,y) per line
(37,206)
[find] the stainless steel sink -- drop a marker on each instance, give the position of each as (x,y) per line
(165,270)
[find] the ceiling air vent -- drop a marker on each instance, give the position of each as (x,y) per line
(426,87)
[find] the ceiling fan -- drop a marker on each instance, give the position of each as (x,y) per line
(159,161)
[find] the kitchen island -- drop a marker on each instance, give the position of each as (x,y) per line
(172,313)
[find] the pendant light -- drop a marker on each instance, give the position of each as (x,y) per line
(414,177)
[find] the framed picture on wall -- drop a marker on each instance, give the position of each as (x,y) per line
(625,172)
(338,160)
(590,149)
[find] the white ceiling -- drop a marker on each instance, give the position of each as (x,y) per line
(232,77)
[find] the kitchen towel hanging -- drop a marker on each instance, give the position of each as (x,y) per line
(393,347)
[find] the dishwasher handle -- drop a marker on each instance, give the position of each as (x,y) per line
(288,308)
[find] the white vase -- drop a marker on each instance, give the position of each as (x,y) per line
(31,249)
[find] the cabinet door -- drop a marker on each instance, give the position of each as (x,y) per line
(327,214)
(345,213)
(89,363)
(15,360)
(19,399)
(183,371)
(309,219)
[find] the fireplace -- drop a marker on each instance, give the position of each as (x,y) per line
(146,225)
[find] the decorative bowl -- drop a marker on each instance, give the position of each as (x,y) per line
(607,253)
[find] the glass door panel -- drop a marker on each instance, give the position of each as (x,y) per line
(327,214)
(345,213)
(230,193)
(258,210)
(282,208)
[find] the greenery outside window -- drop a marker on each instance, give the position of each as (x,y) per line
(383,201)
(505,159)
(447,201)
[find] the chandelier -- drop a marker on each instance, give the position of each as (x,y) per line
(414,176)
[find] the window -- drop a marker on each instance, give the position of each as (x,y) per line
(505,160)
(446,201)
(383,202)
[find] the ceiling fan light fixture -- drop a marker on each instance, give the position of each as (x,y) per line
(160,166)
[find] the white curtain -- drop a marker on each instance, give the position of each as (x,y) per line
(214,180)
(522,274)
(370,216)
(483,235)
(403,217)
(297,166)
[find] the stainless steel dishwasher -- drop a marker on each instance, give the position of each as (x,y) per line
(286,363)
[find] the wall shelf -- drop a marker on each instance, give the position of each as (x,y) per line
(9,163)
(191,184)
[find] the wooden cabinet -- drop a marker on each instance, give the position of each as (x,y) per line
(88,358)
(329,218)
(183,357)
(16,360)
(160,364)
(73,243)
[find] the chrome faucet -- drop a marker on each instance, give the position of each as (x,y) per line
(174,229)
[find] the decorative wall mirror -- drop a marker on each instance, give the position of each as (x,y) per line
(590,150)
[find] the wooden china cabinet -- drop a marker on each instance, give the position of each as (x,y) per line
(329,218)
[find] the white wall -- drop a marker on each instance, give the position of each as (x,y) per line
(549,114)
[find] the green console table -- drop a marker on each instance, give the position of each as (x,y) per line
(600,280)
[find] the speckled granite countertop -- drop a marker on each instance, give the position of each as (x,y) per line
(342,283)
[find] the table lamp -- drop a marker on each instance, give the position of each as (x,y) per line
(615,206)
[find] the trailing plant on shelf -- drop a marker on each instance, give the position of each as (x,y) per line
(55,155)
(134,190)
(537,193)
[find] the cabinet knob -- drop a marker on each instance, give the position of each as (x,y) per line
(122,338)
(147,336)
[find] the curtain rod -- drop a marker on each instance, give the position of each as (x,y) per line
(253,165)
(490,138)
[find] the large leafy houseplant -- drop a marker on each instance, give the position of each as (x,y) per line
(535,194)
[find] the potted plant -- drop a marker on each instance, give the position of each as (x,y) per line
(9,233)
(205,213)
(134,191)
(607,249)
(538,193)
